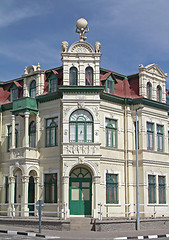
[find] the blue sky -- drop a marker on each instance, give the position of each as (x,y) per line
(131,32)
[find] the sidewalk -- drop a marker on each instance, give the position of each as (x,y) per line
(49,234)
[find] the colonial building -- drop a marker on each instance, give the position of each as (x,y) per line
(67,135)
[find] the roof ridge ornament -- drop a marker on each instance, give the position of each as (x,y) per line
(82,28)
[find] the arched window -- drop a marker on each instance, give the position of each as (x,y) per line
(10,137)
(159,93)
(32,134)
(167,98)
(32,90)
(73,76)
(81,126)
(51,132)
(89,76)
(149,90)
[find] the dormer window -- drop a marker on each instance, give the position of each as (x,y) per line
(14,93)
(159,93)
(110,85)
(89,76)
(32,90)
(149,90)
(73,76)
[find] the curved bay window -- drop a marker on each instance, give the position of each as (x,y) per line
(89,76)
(149,90)
(159,93)
(32,134)
(51,132)
(32,90)
(81,126)
(73,76)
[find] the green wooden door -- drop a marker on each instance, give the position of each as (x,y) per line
(80,192)
(31,195)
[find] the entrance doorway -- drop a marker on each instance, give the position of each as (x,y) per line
(31,195)
(80,191)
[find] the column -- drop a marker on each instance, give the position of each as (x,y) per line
(24,199)
(37,130)
(13,132)
(96,195)
(65,193)
(11,209)
(26,143)
(36,182)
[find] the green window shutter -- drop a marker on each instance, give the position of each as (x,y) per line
(50,188)
(81,126)
(111,133)
(162,189)
(151,189)
(51,132)
(112,188)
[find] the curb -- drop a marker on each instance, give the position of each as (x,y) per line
(143,237)
(29,234)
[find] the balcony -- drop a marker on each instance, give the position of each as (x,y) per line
(25,104)
(24,153)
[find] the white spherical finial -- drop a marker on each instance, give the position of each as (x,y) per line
(81,23)
(82,28)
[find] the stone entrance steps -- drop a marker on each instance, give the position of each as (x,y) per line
(81,224)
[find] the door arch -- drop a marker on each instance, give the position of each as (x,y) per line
(80,191)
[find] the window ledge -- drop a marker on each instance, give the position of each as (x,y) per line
(112,205)
(157,205)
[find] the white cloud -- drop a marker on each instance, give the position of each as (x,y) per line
(12,11)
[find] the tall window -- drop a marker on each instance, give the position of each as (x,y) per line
(151,189)
(73,76)
(159,93)
(159,138)
(14,93)
(150,136)
(149,90)
(53,85)
(162,189)
(167,98)
(137,134)
(6,190)
(9,144)
(51,132)
(32,134)
(89,76)
(111,188)
(111,133)
(110,85)
(81,126)
(50,188)
(32,91)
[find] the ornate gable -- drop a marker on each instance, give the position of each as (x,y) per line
(156,70)
(81,47)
